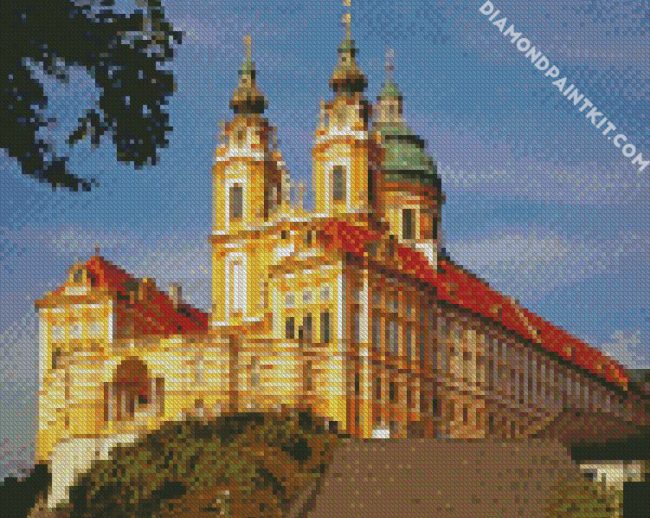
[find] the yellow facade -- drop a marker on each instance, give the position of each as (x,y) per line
(340,309)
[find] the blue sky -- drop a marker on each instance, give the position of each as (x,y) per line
(538,202)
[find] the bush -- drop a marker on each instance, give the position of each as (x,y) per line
(582,499)
(18,496)
(250,464)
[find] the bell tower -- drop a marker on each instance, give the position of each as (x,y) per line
(248,166)
(342,153)
(249,184)
(407,191)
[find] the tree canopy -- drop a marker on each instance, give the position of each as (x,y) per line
(126,54)
(253,464)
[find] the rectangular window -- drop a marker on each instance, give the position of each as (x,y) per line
(451,412)
(465,414)
(255,373)
(307,327)
(236,201)
(58,333)
(376,331)
(392,391)
(422,337)
(56,358)
(75,330)
(435,407)
(467,358)
(309,376)
(94,329)
(423,401)
(338,183)
(238,286)
(289,328)
(408,224)
(409,341)
(378,389)
(325,327)
(356,323)
(391,336)
(324,294)
(357,384)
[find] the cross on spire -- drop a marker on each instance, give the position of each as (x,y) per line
(390,64)
(248,45)
(347,19)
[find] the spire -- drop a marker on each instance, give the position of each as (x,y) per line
(247,99)
(347,77)
(390,88)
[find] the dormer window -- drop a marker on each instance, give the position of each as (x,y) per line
(78,276)
(240,137)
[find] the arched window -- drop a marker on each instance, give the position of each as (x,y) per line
(238,286)
(255,372)
(240,137)
(338,183)
(236,202)
(408,224)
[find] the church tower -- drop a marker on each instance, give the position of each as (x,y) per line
(407,192)
(249,178)
(342,153)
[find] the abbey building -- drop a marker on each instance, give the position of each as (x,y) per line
(352,309)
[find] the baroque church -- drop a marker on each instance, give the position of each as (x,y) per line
(352,308)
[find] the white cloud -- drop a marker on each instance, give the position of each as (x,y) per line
(511,166)
(530,263)
(628,348)
(173,257)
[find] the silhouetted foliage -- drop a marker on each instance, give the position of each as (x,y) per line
(124,53)
(18,496)
(582,499)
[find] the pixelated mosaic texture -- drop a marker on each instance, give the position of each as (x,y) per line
(349,357)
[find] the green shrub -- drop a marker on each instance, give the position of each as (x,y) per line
(250,464)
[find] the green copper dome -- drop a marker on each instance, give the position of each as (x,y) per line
(390,90)
(405,157)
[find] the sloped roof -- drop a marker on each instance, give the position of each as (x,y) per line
(458,287)
(155,314)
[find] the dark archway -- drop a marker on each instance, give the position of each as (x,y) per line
(133,393)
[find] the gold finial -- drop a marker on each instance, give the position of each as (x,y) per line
(248,44)
(347,19)
(390,64)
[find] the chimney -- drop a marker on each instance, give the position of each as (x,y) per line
(145,286)
(176,294)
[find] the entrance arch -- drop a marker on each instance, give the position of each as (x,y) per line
(133,393)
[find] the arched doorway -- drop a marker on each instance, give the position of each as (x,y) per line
(133,393)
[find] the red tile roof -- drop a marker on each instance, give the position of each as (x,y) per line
(154,314)
(458,287)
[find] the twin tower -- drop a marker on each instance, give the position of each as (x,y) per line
(369,168)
